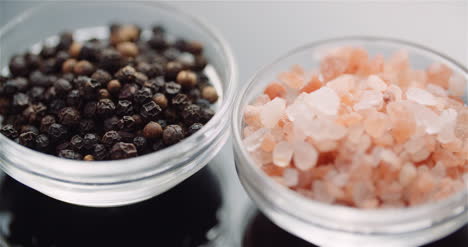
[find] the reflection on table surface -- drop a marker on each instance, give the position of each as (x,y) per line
(180,217)
(262,232)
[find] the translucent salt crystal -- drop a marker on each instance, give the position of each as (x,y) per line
(362,191)
(320,191)
(340,179)
(427,118)
(268,143)
(261,157)
(439,170)
(261,100)
(249,130)
(407,174)
(252,115)
(324,100)
(254,140)
(272,112)
(300,112)
(305,156)
(376,124)
(421,155)
(332,66)
(420,96)
(439,73)
(342,84)
(376,83)
(369,99)
(292,80)
(393,93)
(389,157)
(290,177)
(321,130)
(326,145)
(447,121)
(457,85)
(461,127)
(436,90)
(282,154)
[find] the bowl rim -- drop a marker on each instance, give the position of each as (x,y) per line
(141,164)
(260,181)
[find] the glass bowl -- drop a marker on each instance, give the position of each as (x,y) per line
(113,183)
(333,225)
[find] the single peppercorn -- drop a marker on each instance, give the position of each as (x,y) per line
(37,78)
(101,76)
(140,143)
(152,130)
(69,116)
(69,154)
(29,128)
(19,84)
(89,109)
(104,94)
(127,49)
(160,99)
(56,105)
(20,101)
(186,78)
(128,91)
(83,67)
(200,63)
(138,120)
(47,51)
(191,114)
(194,128)
(105,107)
(172,134)
(46,121)
(110,137)
(99,151)
(158,145)
(88,157)
(90,140)
(194,47)
(33,60)
(158,42)
(57,132)
(140,78)
(18,66)
(209,93)
(126,136)
(86,126)
(42,142)
(172,88)
(113,86)
(143,95)
(74,98)
(65,41)
(90,51)
(122,150)
(126,74)
(150,110)
(206,114)
(124,107)
(111,123)
(180,101)
(126,123)
(172,69)
(36,93)
(9,131)
(77,142)
(62,86)
(75,49)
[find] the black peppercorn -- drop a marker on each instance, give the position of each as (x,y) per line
(75,49)
(90,51)
(162,122)
(37,78)
(158,41)
(191,114)
(89,140)
(42,142)
(77,142)
(172,134)
(86,126)
(126,136)
(36,93)
(122,150)
(160,99)
(140,143)
(150,110)
(34,112)
(9,131)
(128,91)
(111,123)
(89,109)
(33,60)
(126,74)
(18,66)
(101,76)
(200,63)
(69,116)
(104,94)
(65,41)
(186,79)
(83,67)
(47,51)
(99,152)
(15,85)
(110,137)
(46,122)
(69,154)
(180,101)
(105,107)
(172,88)
(56,105)
(49,66)
(124,107)
(62,86)
(60,59)
(126,123)
(110,60)
(152,130)
(171,114)
(194,47)
(57,132)
(206,114)
(113,86)
(158,145)
(194,128)
(74,98)
(20,101)
(143,95)
(127,49)
(29,128)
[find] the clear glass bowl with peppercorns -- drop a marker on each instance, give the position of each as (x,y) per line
(132,98)
(321,222)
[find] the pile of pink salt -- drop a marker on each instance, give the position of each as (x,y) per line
(363,132)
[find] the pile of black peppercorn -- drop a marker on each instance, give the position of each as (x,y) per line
(107,99)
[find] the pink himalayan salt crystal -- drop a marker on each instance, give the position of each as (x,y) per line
(393,93)
(254,140)
(321,130)
(376,124)
(261,100)
(305,155)
(282,154)
(320,192)
(349,119)
(407,174)
(292,80)
(252,115)
(457,85)
(363,192)
(342,84)
(369,99)
(324,100)
(461,126)
(248,130)
(332,66)
(436,90)
(299,111)
(261,158)
(374,82)
(268,143)
(439,74)
(290,177)
(420,96)
(447,120)
(272,112)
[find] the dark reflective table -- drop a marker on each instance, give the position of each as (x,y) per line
(262,232)
(180,217)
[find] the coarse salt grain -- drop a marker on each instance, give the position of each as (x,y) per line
(324,100)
